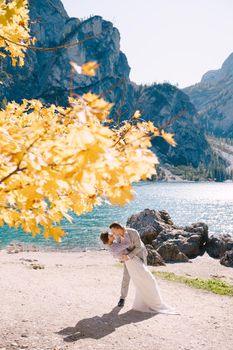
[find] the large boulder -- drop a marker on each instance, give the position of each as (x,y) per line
(157,227)
(171,253)
(149,223)
(227,258)
(176,243)
(217,246)
(153,257)
(199,228)
(191,245)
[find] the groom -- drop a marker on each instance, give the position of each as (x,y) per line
(137,248)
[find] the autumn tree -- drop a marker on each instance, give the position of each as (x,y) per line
(56,160)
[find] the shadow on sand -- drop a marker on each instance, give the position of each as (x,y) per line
(97,327)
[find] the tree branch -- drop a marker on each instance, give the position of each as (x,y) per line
(35,48)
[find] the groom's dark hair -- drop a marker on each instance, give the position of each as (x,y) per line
(116,225)
(104,237)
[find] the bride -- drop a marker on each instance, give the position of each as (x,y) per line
(147,296)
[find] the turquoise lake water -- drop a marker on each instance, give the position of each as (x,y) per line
(186,202)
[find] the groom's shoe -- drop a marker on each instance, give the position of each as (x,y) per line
(121,302)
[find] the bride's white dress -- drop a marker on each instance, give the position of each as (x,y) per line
(147,296)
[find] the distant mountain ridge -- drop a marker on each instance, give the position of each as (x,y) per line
(213,98)
(46,76)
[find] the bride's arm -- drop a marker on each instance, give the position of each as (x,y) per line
(117,248)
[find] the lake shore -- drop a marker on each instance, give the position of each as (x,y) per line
(67,300)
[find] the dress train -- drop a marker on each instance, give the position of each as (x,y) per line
(147,295)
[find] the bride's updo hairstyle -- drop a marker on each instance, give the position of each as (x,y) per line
(104,237)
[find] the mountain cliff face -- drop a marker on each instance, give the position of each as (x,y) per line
(213,98)
(161,101)
(46,76)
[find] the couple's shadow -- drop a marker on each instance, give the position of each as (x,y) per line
(97,327)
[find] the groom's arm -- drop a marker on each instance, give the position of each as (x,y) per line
(137,243)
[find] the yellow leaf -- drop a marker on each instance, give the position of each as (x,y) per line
(89,68)
(55,232)
(137,115)
(122,195)
(168,137)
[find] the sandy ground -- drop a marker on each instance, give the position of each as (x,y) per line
(71,304)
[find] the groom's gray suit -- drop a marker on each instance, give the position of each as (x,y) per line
(137,248)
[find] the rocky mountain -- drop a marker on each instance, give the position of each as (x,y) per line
(213,98)
(161,101)
(47,76)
